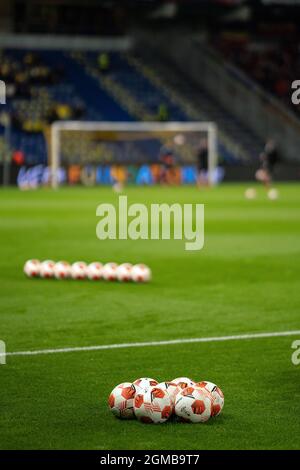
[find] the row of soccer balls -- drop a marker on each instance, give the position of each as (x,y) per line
(94,271)
(153,402)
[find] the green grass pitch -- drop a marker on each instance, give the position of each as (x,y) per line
(246,279)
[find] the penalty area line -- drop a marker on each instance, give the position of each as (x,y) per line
(154,343)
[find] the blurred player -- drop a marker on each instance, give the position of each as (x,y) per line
(269,159)
(167,160)
(119,175)
(202,163)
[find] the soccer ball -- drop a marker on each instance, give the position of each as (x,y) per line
(217,394)
(250,193)
(273,194)
(153,405)
(118,187)
(120,401)
(79,270)
(171,388)
(183,382)
(144,383)
(47,268)
(109,271)
(179,139)
(124,272)
(62,270)
(140,273)
(194,405)
(94,271)
(32,268)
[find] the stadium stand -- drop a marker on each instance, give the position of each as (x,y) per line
(237,143)
(270,58)
(45,86)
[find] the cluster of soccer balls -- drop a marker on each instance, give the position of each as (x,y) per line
(153,402)
(96,271)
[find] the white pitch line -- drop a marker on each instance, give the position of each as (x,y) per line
(154,343)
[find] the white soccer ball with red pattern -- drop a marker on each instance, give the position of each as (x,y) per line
(109,271)
(193,405)
(144,383)
(124,272)
(32,268)
(62,270)
(47,268)
(153,405)
(171,388)
(140,273)
(79,270)
(217,394)
(120,401)
(183,382)
(94,271)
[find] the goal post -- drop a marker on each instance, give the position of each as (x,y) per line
(66,137)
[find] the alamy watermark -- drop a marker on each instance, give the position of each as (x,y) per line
(156,222)
(2,92)
(2,353)
(296,353)
(296,94)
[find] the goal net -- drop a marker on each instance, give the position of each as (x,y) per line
(115,146)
